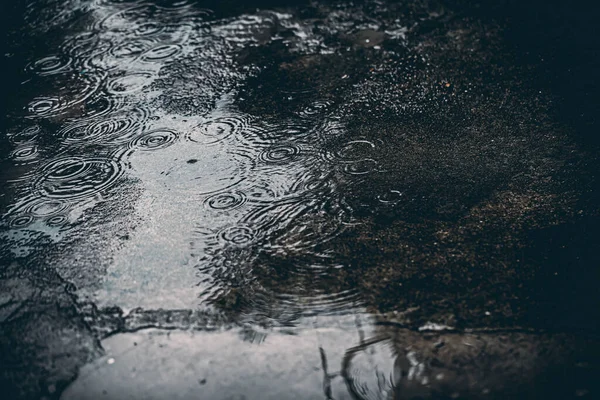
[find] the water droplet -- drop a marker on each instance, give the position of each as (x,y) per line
(226,201)
(118,126)
(44,105)
(24,154)
(148,29)
(390,197)
(280,154)
(361,167)
(29,134)
(237,235)
(154,140)
(20,221)
(354,150)
(57,220)
(74,90)
(217,130)
(162,52)
(69,178)
(129,49)
(130,83)
(50,65)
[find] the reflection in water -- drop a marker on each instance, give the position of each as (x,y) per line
(287,170)
(394,363)
(402,364)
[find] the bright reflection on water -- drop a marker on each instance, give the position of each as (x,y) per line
(307,177)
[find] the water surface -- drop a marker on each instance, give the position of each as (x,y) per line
(315,200)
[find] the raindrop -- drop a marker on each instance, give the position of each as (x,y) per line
(32,208)
(44,105)
(68,178)
(226,201)
(49,65)
(280,154)
(160,53)
(20,221)
(148,29)
(115,127)
(361,167)
(217,130)
(25,154)
(351,151)
(129,83)
(28,134)
(154,140)
(129,49)
(57,220)
(390,197)
(237,235)
(73,89)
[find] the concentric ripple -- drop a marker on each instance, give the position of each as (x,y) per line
(237,235)
(361,167)
(313,181)
(119,54)
(217,129)
(129,83)
(129,49)
(20,221)
(371,372)
(99,106)
(148,29)
(45,105)
(57,220)
(134,19)
(390,197)
(280,154)
(46,208)
(154,140)
(226,201)
(53,212)
(161,53)
(309,230)
(73,89)
(286,131)
(71,178)
(95,56)
(352,151)
(25,154)
(115,127)
(26,135)
(53,64)
(315,109)
(125,20)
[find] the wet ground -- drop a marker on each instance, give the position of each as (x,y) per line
(303,200)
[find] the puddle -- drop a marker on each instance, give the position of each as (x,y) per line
(288,170)
(339,362)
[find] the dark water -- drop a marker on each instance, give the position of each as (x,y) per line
(339,200)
